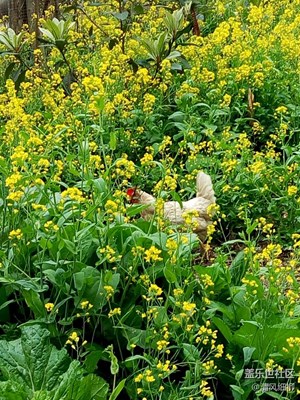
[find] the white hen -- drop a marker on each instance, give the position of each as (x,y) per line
(194,210)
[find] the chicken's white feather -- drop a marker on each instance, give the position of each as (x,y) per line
(174,211)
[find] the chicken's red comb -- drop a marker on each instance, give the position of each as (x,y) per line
(130,192)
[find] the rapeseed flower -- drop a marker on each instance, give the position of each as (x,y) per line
(49,306)
(152,254)
(15,234)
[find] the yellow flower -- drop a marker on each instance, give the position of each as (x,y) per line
(271,251)
(152,254)
(109,291)
(124,168)
(73,194)
(44,163)
(149,101)
(150,378)
(73,339)
(190,308)
(49,225)
(281,110)
(138,378)
(292,190)
(13,180)
(146,159)
(162,344)
(154,290)
(111,207)
(15,196)
(226,100)
(15,234)
(86,305)
(205,390)
(257,167)
(177,292)
(115,311)
(220,350)
(171,245)
(49,306)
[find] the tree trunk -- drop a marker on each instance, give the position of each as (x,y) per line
(3,8)
(30,9)
(17,12)
(20,11)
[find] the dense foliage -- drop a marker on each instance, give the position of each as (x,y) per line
(142,93)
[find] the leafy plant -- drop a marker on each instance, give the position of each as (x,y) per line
(15,45)
(55,33)
(33,368)
(12,41)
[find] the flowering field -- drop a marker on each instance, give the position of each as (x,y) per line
(97,302)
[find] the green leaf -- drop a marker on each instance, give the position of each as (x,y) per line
(223,328)
(238,268)
(248,351)
(191,353)
(169,273)
(239,374)
(138,336)
(137,9)
(34,302)
(9,69)
(176,197)
(275,395)
(12,391)
(89,387)
(136,209)
(113,140)
(114,366)
(117,390)
(91,359)
(237,389)
(88,283)
(160,43)
(173,54)
(33,368)
(48,34)
(56,32)
(84,151)
(121,16)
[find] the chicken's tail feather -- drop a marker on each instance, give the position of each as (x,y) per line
(205,187)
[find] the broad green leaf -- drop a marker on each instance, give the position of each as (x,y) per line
(33,368)
(34,302)
(237,389)
(223,328)
(48,34)
(191,353)
(121,16)
(170,274)
(173,54)
(239,374)
(248,351)
(136,209)
(12,391)
(238,268)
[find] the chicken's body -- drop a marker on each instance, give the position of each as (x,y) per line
(196,208)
